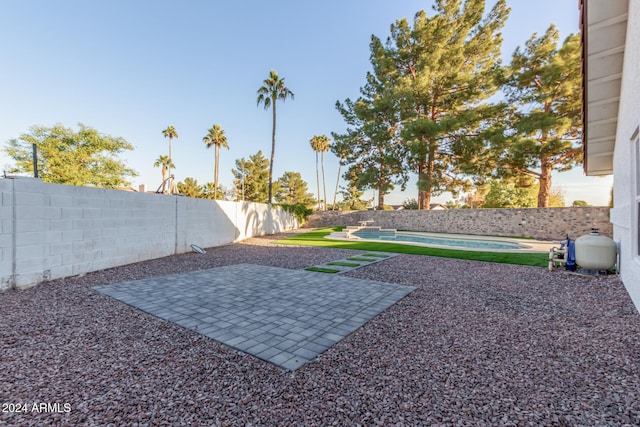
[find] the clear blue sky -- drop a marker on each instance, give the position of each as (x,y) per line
(131,68)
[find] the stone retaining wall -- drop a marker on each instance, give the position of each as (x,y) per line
(539,223)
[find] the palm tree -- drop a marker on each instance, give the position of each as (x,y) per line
(216,138)
(335,193)
(321,144)
(342,152)
(273,89)
(166,164)
(316,148)
(170,132)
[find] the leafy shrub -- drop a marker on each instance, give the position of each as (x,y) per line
(301,212)
(410,204)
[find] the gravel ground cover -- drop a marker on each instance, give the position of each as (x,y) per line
(475,344)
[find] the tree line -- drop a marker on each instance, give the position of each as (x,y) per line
(437,103)
(429,107)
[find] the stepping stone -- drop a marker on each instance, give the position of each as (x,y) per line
(347,264)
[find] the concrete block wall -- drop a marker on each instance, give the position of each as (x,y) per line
(49,231)
(539,223)
(6,231)
(208,223)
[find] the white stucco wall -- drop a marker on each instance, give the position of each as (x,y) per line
(6,231)
(623,215)
(49,231)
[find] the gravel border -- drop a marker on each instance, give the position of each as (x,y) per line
(476,344)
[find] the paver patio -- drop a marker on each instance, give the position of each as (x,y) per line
(286,317)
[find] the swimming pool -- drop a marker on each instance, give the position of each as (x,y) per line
(368,233)
(430,240)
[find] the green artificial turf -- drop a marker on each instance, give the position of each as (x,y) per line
(376,255)
(355,258)
(322,270)
(316,238)
(344,264)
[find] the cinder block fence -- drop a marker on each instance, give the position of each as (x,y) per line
(49,231)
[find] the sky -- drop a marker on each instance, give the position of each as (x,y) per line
(132,68)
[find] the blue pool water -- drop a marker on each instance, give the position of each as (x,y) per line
(442,241)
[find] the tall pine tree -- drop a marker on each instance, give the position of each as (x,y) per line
(445,68)
(252,176)
(293,190)
(371,144)
(543,84)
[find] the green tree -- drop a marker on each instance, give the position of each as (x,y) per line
(410,204)
(511,192)
(454,204)
(272,90)
(543,82)
(293,190)
(351,194)
(372,145)
(170,132)
(254,174)
(216,138)
(580,204)
(475,199)
(444,68)
(83,158)
(165,163)
(239,179)
(213,193)
(190,187)
(352,199)
(506,193)
(321,144)
(556,198)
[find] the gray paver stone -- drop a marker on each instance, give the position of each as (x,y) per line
(269,312)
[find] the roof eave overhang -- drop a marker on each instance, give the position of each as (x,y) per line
(603,27)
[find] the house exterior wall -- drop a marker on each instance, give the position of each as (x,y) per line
(624,213)
(49,231)
(539,223)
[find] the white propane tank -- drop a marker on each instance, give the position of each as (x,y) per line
(595,252)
